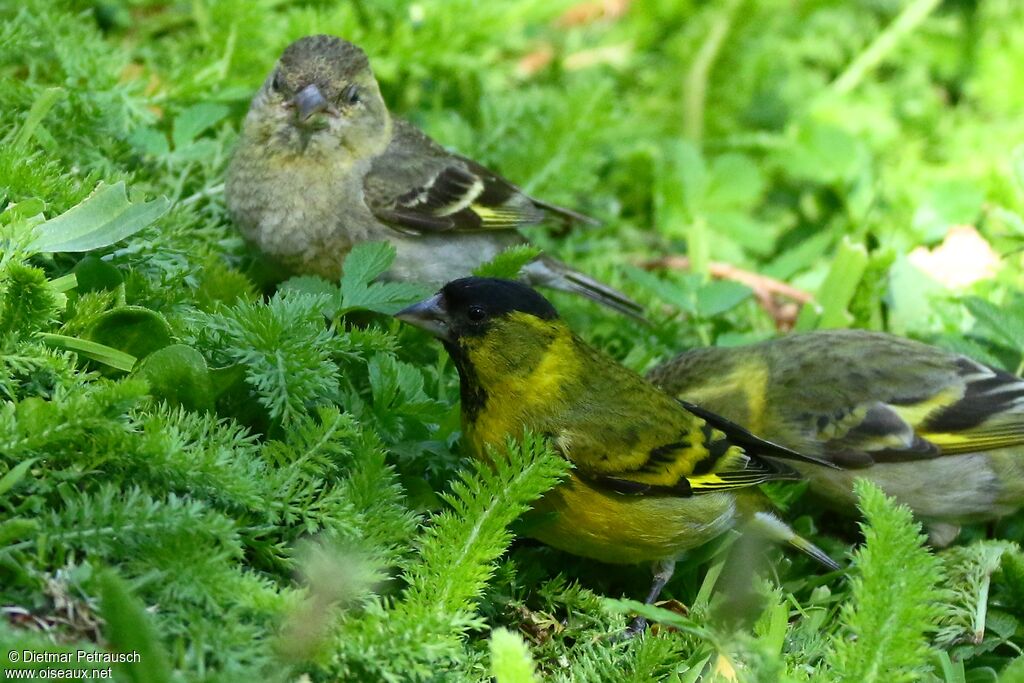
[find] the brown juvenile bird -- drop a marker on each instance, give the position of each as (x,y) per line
(940,432)
(652,477)
(321,165)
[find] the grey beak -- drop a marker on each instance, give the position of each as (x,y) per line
(309,101)
(429,315)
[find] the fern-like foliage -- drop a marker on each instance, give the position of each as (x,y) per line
(422,630)
(27,301)
(284,348)
(970,622)
(894,598)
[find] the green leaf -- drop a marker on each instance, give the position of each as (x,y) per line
(735,181)
(802,256)
(105,217)
(178,374)
(911,296)
(866,305)
(93,275)
(89,349)
(836,292)
(719,296)
(508,263)
(149,141)
(25,211)
(458,555)
(42,105)
(680,184)
(1014,671)
(198,151)
(132,329)
(822,153)
(15,528)
(510,658)
(17,473)
(221,284)
(1005,323)
(189,124)
(951,203)
(64,283)
(1017,164)
(659,615)
(952,672)
(689,171)
(363,264)
(310,284)
(981,674)
(284,349)
(384,297)
(316,286)
(129,630)
(682,294)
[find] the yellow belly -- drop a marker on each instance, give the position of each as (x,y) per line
(621,529)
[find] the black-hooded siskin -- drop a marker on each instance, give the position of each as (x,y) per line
(651,477)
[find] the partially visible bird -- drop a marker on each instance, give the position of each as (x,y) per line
(942,433)
(321,166)
(652,477)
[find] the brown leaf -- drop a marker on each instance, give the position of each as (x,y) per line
(538,626)
(595,10)
(672,605)
(535,61)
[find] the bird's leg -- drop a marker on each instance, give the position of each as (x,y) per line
(662,571)
(941,534)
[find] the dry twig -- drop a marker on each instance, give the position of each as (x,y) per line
(767,290)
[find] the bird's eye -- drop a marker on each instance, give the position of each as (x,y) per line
(476,313)
(276,83)
(350,95)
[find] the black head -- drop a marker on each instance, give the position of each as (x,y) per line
(470,305)
(477,299)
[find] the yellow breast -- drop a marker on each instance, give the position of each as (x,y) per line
(520,396)
(621,529)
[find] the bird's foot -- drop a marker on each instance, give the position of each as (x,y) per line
(635,628)
(662,573)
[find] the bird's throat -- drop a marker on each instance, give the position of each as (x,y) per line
(471,393)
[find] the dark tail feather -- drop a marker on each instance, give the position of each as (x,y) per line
(548,272)
(567,215)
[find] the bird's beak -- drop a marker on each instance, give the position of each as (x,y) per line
(430,315)
(309,101)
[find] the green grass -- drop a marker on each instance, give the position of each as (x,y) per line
(276,488)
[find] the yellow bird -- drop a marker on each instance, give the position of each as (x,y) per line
(940,432)
(652,477)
